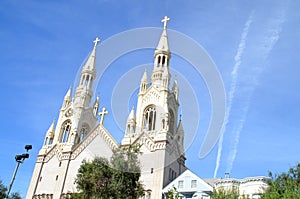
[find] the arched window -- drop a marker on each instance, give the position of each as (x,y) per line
(159,58)
(46,141)
(83,132)
(149,118)
(66,128)
(128,128)
(86,80)
(50,141)
(163,59)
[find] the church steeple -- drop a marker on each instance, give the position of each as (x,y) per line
(84,91)
(157,105)
(162,57)
(77,117)
(163,44)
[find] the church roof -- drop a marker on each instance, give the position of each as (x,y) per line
(186,177)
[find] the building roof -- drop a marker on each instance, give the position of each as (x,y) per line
(186,180)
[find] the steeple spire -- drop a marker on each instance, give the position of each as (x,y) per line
(162,57)
(91,62)
(84,90)
(163,44)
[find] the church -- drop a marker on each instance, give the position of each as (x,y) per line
(154,124)
(77,134)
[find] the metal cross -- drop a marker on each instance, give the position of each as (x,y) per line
(102,114)
(165,20)
(96,41)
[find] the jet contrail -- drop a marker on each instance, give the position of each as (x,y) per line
(271,36)
(234,77)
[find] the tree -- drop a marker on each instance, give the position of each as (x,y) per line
(285,185)
(15,195)
(117,178)
(173,193)
(3,191)
(232,193)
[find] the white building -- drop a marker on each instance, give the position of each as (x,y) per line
(252,187)
(77,134)
(190,186)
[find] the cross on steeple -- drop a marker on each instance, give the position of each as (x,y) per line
(102,114)
(96,41)
(165,20)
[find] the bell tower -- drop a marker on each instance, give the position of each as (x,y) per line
(77,117)
(155,123)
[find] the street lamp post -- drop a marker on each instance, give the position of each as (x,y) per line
(19,159)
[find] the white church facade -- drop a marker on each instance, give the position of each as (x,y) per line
(154,124)
(77,135)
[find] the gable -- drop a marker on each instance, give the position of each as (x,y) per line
(100,133)
(148,144)
(188,182)
(152,95)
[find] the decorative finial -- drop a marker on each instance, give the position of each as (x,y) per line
(96,42)
(165,20)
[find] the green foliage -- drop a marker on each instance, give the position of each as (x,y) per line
(285,185)
(173,193)
(15,195)
(3,191)
(232,193)
(117,178)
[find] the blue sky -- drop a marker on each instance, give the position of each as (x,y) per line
(254,44)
